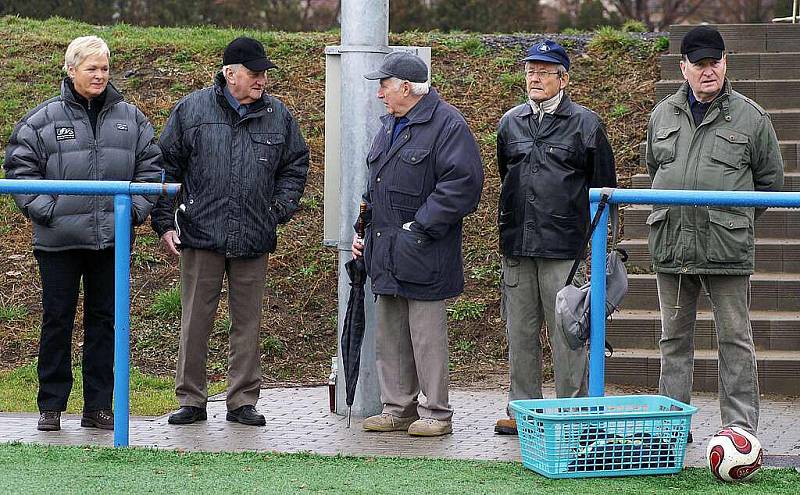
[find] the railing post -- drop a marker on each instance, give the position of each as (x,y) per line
(597,357)
(122,307)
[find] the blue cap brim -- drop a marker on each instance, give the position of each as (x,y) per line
(543,58)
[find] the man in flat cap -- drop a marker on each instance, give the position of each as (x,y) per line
(242,163)
(550,151)
(708,137)
(425,176)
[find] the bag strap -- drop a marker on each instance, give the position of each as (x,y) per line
(604,197)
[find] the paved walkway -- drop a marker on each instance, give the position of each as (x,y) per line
(298,420)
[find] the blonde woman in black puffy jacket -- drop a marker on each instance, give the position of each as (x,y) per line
(86,133)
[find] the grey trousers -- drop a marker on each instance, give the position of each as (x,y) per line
(738,376)
(411,350)
(201,285)
(529,299)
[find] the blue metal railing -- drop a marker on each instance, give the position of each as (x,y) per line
(648,197)
(122,191)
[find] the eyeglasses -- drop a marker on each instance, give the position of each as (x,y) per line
(541,74)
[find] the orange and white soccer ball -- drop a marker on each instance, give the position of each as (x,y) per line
(734,454)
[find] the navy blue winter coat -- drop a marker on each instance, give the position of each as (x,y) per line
(431,175)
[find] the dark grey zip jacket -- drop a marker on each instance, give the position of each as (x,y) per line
(240,176)
(546,171)
(55,141)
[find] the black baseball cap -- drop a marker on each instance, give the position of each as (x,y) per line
(702,42)
(248,52)
(402,65)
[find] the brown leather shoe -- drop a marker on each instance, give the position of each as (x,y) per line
(49,421)
(506,426)
(103,419)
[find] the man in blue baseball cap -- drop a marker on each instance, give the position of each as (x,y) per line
(550,151)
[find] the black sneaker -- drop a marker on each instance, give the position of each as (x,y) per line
(246,415)
(103,419)
(187,415)
(49,421)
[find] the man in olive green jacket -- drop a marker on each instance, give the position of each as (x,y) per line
(709,137)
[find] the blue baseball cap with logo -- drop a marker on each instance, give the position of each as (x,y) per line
(547,51)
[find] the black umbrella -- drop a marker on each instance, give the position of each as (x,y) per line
(353,329)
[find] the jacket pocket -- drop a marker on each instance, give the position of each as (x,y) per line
(561,154)
(728,237)
(729,147)
(663,144)
(658,240)
(415,258)
(410,171)
(267,147)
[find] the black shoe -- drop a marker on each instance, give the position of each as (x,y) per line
(689,438)
(49,421)
(187,415)
(246,415)
(103,419)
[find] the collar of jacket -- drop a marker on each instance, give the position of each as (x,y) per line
(112,95)
(680,100)
(252,108)
(419,113)
(564,109)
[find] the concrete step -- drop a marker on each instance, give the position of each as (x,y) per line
(772,255)
(785,65)
(777,370)
(777,223)
(750,38)
(772,330)
(786,123)
(790,151)
(769,94)
(791,181)
(769,292)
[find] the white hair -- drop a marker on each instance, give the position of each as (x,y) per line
(234,67)
(417,89)
(81,48)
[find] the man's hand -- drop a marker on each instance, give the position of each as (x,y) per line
(170,241)
(357,248)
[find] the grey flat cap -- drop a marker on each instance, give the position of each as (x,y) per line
(402,65)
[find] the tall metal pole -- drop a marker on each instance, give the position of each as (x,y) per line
(365,39)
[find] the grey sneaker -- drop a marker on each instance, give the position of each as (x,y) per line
(429,427)
(49,421)
(388,422)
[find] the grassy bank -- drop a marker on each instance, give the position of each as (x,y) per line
(612,73)
(150,395)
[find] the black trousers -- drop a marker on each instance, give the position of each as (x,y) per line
(61,273)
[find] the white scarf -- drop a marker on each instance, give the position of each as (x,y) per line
(547,106)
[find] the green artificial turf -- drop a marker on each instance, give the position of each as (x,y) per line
(28,469)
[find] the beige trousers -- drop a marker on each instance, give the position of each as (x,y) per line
(411,349)
(201,285)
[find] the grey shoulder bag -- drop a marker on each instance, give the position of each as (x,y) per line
(573,303)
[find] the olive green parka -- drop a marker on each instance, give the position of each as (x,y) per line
(733,149)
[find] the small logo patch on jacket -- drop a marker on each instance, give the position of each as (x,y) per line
(64,133)
(122,127)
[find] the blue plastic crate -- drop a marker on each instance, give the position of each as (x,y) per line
(603,436)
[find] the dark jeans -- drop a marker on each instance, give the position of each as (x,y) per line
(61,274)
